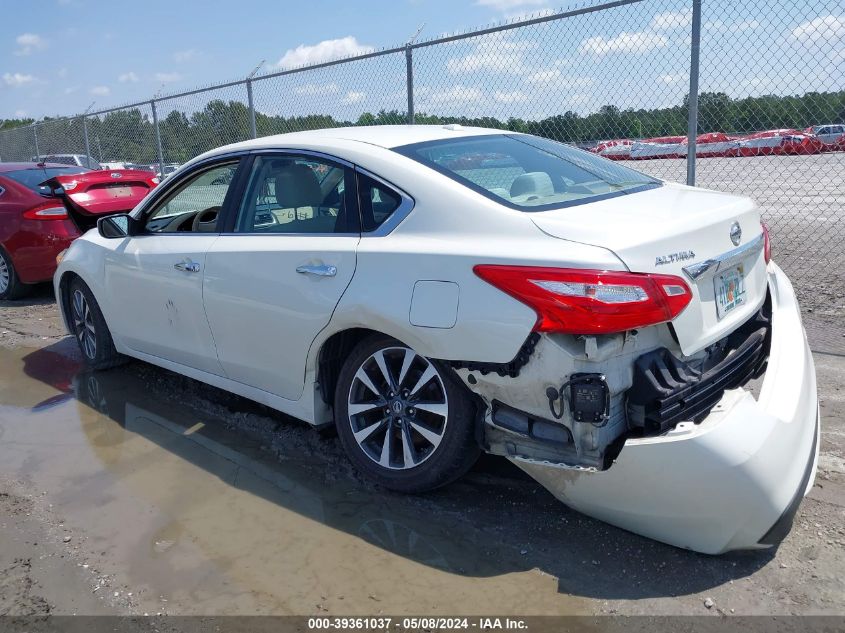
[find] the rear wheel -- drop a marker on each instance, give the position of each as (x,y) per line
(403,419)
(11,287)
(90,329)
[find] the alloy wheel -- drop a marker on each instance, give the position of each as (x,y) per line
(5,274)
(398,408)
(83,322)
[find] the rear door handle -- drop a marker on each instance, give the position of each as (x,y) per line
(320,271)
(187,266)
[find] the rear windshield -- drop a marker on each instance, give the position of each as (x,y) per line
(528,172)
(32,178)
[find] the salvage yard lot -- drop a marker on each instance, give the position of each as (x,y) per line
(802,199)
(141,491)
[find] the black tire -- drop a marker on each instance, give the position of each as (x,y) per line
(90,329)
(431,465)
(11,287)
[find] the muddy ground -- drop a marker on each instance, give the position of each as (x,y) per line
(138,491)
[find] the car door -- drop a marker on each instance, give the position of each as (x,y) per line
(274,278)
(154,280)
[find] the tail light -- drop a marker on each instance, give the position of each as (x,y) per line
(767,243)
(46,211)
(579,301)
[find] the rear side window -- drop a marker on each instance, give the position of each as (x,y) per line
(526,172)
(32,178)
(377,202)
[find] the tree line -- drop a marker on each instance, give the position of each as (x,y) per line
(129,134)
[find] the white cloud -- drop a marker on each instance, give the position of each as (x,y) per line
(732,27)
(326,50)
(354,97)
(829,28)
(100,91)
(20,114)
(129,77)
(317,89)
(29,43)
(496,53)
(186,55)
(672,79)
(515,96)
(509,5)
(545,76)
(62,72)
(167,77)
(71,89)
(639,42)
(456,94)
(18,79)
(554,78)
(672,19)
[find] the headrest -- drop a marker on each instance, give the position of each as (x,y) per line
(297,186)
(534,182)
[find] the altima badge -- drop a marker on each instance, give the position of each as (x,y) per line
(681,256)
(736,233)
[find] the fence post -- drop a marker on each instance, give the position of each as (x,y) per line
(85,136)
(409,72)
(158,140)
(692,128)
(35,134)
(251,103)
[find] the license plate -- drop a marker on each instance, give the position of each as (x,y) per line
(730,290)
(120,192)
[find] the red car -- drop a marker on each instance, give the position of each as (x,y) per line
(44,207)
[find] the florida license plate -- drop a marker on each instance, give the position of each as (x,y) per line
(730,290)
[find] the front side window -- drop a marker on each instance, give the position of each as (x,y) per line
(298,194)
(194,205)
(528,173)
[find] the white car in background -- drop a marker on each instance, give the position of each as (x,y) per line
(829,134)
(436,291)
(77,160)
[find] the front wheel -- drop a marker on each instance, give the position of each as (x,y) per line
(403,419)
(11,287)
(89,328)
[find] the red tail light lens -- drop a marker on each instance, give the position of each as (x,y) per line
(767,243)
(579,301)
(46,211)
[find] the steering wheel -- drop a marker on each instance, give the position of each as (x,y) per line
(205,221)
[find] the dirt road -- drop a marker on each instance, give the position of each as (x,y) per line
(139,491)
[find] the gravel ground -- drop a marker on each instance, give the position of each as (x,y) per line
(138,491)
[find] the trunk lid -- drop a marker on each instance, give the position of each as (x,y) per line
(104,192)
(673,227)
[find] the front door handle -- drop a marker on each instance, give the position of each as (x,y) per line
(320,271)
(187,266)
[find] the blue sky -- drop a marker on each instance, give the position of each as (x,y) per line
(59,56)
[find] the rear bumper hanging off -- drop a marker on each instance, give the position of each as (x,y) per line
(732,481)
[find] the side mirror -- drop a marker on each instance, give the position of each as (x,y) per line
(116,226)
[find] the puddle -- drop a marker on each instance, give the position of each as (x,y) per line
(183,506)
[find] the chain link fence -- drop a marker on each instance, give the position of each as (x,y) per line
(766,118)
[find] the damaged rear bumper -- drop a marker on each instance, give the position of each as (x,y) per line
(735,480)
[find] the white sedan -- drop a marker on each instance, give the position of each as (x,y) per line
(438,291)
